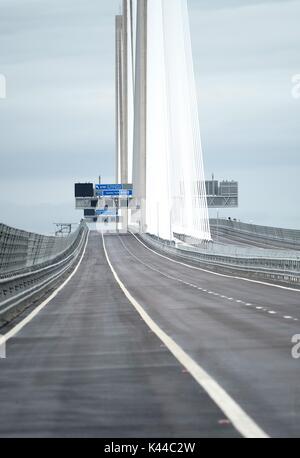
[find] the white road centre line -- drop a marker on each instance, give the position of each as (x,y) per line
(239,418)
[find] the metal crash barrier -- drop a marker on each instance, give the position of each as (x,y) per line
(32,265)
(270,265)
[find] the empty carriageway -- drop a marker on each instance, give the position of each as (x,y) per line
(137,345)
(87,365)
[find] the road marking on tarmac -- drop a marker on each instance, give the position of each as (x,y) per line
(214,273)
(238,417)
(231,299)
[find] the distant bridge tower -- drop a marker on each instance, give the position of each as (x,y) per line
(158,135)
(125,57)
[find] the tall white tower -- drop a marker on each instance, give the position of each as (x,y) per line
(162,143)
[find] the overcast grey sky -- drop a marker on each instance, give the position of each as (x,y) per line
(57,123)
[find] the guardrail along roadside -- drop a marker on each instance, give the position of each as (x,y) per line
(32,266)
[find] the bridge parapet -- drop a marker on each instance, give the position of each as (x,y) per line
(257,231)
(281,267)
(32,265)
(22,250)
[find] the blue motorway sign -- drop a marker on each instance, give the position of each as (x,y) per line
(107,187)
(114,190)
(117,193)
(106,212)
(126,193)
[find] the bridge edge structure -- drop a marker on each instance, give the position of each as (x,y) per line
(41,264)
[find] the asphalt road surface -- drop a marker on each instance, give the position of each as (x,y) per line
(88,366)
(239,331)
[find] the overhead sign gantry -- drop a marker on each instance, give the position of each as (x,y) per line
(102,201)
(114,190)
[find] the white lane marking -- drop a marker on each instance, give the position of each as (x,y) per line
(238,417)
(13,332)
(154,269)
(214,273)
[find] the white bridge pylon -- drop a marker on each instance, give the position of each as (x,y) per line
(158,134)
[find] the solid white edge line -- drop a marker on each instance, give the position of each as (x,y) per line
(13,332)
(214,273)
(238,417)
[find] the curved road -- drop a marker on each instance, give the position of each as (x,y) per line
(88,365)
(239,331)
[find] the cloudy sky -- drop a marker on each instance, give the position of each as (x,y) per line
(57,122)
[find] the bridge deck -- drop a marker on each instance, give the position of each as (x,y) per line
(87,365)
(239,331)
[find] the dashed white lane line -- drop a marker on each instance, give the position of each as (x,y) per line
(211,293)
(271,285)
(243,423)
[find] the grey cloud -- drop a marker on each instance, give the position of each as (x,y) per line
(244,61)
(57,124)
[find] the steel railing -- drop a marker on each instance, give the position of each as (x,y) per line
(21,249)
(225,226)
(279,266)
(38,268)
